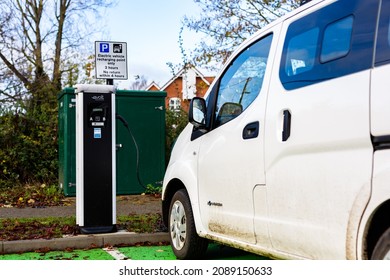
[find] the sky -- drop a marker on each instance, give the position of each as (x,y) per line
(151,30)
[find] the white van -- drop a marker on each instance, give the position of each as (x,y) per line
(288,156)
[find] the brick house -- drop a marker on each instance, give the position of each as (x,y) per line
(185,85)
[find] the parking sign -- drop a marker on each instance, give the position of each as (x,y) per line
(104,47)
(111,60)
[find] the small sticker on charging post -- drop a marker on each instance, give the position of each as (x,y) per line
(97,133)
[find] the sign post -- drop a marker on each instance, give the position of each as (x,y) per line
(111,61)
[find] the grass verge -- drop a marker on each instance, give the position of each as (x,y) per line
(47,228)
(35,195)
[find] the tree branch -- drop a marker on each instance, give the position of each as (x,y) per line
(12,67)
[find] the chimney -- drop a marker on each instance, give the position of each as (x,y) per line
(189,83)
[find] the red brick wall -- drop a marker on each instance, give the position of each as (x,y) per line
(175,90)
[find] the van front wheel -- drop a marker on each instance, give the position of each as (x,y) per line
(186,243)
(382,247)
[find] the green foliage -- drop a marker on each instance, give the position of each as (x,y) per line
(176,121)
(28,144)
(40,62)
(154,190)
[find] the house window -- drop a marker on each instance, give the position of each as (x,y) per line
(174,104)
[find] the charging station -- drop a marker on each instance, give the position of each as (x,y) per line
(95,159)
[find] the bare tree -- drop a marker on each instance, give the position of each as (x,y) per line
(140,83)
(37,37)
(226,23)
(42,46)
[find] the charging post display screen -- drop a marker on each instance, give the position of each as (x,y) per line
(97,114)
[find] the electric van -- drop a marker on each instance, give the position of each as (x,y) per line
(288,154)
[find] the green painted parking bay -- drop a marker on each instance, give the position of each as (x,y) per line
(91,254)
(215,251)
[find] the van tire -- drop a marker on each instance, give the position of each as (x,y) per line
(382,247)
(185,242)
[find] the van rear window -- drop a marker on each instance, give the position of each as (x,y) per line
(334,41)
(337,39)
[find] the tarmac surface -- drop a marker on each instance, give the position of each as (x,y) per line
(133,204)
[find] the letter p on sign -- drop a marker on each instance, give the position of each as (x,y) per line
(104,48)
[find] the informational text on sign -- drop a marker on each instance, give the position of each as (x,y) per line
(111,60)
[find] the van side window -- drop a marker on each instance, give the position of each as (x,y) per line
(242,81)
(337,39)
(383,40)
(301,52)
(332,42)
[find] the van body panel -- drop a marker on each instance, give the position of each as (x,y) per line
(309,212)
(226,194)
(315,176)
(380,82)
(380,101)
(379,195)
(183,166)
(355,217)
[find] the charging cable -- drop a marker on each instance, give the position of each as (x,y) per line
(119,117)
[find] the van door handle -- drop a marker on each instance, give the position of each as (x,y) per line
(251,130)
(286,125)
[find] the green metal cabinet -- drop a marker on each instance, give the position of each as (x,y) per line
(144,112)
(67,141)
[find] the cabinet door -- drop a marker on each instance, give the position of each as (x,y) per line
(146,120)
(67,142)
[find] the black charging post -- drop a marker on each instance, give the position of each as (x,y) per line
(95,159)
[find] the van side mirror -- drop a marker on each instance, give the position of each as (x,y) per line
(197,113)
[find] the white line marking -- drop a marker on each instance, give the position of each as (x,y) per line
(115,253)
